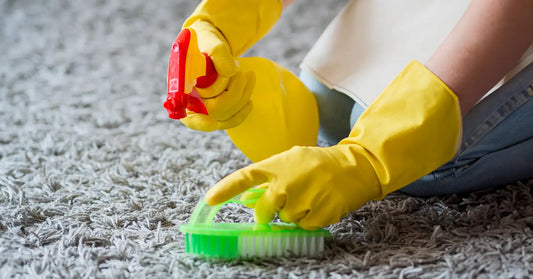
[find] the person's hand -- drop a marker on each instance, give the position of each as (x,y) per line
(265,110)
(226,109)
(309,186)
(213,43)
(412,128)
(225,29)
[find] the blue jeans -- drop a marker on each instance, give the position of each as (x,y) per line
(497,146)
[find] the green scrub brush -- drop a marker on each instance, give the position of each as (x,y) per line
(247,240)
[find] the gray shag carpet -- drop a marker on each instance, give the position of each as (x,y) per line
(95,180)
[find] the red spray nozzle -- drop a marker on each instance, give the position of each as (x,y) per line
(188,67)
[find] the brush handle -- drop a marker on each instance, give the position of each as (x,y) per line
(205,214)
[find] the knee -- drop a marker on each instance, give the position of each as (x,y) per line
(357,110)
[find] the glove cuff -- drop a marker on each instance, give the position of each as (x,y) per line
(412,128)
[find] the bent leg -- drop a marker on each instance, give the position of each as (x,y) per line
(334,109)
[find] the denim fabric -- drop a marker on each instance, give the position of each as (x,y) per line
(334,109)
(497,146)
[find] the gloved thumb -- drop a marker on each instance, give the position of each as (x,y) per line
(213,43)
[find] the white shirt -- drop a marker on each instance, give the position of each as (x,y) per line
(371,41)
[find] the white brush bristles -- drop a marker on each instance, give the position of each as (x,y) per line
(280,246)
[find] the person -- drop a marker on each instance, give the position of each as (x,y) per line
(461,121)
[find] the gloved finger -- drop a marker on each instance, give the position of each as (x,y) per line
(234,98)
(199,122)
(223,60)
(318,218)
(213,43)
(250,197)
(218,105)
(267,206)
(292,216)
(236,119)
(235,183)
(296,208)
(206,123)
(215,89)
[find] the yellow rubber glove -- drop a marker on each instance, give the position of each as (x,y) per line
(265,110)
(240,23)
(226,29)
(412,128)
(226,110)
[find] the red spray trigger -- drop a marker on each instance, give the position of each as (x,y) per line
(187,67)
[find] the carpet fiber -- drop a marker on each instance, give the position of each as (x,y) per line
(95,180)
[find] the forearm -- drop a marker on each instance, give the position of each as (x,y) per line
(484,45)
(286,3)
